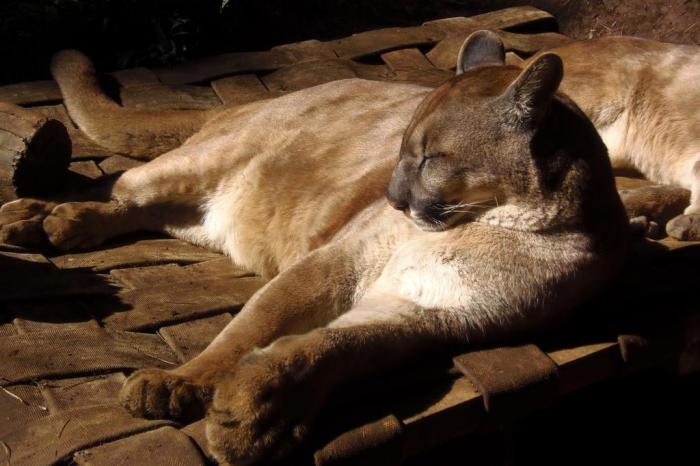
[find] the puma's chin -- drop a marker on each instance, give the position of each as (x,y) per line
(430,224)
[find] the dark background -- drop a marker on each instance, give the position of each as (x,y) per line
(121,34)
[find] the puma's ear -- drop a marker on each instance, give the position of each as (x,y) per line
(532,92)
(481,48)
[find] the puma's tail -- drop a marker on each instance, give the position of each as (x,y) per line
(143,134)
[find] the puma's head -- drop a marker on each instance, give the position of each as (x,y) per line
(493,135)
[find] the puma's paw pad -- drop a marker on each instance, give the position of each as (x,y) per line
(157,394)
(684,227)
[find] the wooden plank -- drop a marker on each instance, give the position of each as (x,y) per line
(86,148)
(57,112)
(430,78)
(56,285)
(76,392)
(31,276)
(529,44)
(455,409)
(160,97)
(406,59)
(384,40)
(444,54)
(150,308)
(506,18)
(624,182)
(146,277)
(166,446)
(514,381)
(50,315)
(86,168)
(220,267)
(308,50)
(513,17)
(19,406)
(55,438)
(134,77)
(582,366)
(82,146)
(308,74)
(205,69)
(118,163)
(241,89)
(188,339)
(514,59)
(144,252)
(34,92)
(68,352)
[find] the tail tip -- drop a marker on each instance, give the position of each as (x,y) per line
(70,60)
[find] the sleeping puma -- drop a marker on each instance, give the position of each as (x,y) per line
(502,215)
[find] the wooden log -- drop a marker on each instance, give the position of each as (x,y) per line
(241,89)
(83,147)
(444,54)
(34,152)
(308,74)
(308,50)
(406,59)
(118,163)
(507,18)
(34,92)
(205,69)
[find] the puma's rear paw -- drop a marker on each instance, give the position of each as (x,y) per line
(684,227)
(79,225)
(158,394)
(21,222)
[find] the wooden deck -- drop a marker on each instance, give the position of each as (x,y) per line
(73,326)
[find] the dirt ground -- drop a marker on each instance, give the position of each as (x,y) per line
(667,20)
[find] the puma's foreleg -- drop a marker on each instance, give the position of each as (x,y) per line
(269,403)
(306,296)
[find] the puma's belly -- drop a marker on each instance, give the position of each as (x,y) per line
(322,158)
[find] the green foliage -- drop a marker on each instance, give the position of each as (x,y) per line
(122,33)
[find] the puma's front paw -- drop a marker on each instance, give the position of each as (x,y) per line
(684,227)
(21,222)
(80,225)
(158,394)
(265,408)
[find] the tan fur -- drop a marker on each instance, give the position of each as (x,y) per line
(644,98)
(116,128)
(506,217)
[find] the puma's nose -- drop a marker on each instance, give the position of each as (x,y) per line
(398,205)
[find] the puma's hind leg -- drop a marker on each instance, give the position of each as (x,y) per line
(161,196)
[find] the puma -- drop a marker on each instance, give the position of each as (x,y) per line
(502,216)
